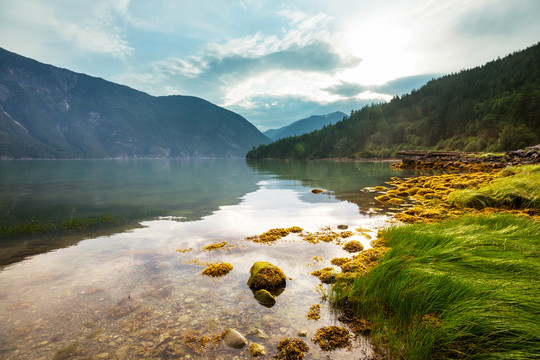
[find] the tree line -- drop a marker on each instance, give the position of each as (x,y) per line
(494,107)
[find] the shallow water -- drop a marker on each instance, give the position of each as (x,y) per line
(130,294)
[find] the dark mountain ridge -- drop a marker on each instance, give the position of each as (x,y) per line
(49,112)
(303,126)
(494,107)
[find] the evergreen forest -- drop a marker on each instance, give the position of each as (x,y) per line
(494,107)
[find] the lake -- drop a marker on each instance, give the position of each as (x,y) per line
(122,290)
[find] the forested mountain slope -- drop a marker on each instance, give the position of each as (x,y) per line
(488,108)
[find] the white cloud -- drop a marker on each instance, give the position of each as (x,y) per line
(99,31)
(89,38)
(247,54)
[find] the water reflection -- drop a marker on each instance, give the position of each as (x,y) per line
(47,192)
(343,180)
(132,295)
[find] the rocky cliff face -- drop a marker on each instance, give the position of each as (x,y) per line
(48,112)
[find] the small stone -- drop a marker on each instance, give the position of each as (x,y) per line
(121,352)
(283,330)
(302,333)
(66,352)
(265,298)
(43,343)
(183,318)
(188,300)
(234,339)
(342,227)
(164,338)
(259,334)
(317,191)
(102,355)
(257,350)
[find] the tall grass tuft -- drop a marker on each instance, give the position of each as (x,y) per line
(519,190)
(463,289)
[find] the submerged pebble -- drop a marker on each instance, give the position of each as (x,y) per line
(234,339)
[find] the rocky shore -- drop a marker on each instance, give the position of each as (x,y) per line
(462,161)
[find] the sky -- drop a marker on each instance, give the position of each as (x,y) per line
(273,62)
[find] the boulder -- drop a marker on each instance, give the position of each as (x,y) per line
(266,276)
(234,339)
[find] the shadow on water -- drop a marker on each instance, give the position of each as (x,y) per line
(46,205)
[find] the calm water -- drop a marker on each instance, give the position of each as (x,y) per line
(125,292)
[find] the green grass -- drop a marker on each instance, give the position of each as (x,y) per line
(464,289)
(519,190)
(32,227)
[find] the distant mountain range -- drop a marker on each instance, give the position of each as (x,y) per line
(48,112)
(312,123)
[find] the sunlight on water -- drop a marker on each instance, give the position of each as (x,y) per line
(132,295)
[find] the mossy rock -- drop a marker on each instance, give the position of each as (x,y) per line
(266,276)
(66,352)
(353,246)
(265,298)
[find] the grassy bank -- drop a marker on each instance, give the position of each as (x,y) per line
(462,289)
(463,281)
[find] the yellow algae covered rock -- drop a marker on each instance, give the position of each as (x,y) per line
(256,350)
(364,261)
(314,312)
(217,269)
(353,246)
(291,349)
(354,266)
(332,337)
(221,245)
(395,201)
(339,261)
(274,234)
(326,275)
(266,276)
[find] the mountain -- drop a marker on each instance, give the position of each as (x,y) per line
(48,112)
(494,107)
(312,123)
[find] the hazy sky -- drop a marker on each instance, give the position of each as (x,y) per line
(271,61)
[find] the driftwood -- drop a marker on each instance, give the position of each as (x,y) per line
(421,158)
(428,153)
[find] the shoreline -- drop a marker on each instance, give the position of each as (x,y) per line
(423,203)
